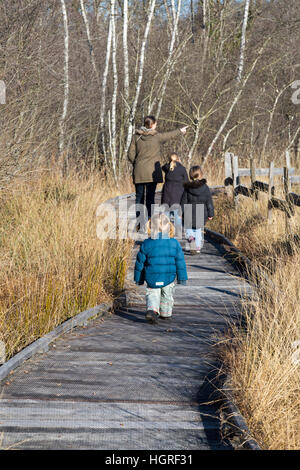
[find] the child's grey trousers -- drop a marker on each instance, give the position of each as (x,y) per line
(161,300)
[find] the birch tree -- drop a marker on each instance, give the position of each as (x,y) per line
(88,34)
(170,61)
(66,77)
(173,8)
(192,18)
(168,13)
(279,93)
(125,53)
(243,41)
(206,27)
(233,104)
(140,74)
(113,136)
(104,85)
(198,117)
(240,81)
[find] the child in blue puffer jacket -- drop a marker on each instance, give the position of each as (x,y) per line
(159,261)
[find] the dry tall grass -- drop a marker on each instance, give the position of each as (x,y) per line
(52,263)
(263,360)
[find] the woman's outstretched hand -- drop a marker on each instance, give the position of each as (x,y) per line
(183,129)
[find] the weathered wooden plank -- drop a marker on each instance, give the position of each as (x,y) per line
(295,179)
(42,344)
(80,415)
(120,439)
(211,275)
(263,171)
(201,289)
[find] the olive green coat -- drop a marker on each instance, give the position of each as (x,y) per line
(144,154)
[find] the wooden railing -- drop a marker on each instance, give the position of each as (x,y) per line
(234,188)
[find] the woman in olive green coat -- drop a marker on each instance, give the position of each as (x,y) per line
(144,154)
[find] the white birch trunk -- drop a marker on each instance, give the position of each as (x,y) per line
(125,51)
(294,141)
(243,41)
(192,18)
(206,14)
(104,85)
(241,82)
(87,27)
(195,142)
(271,118)
(228,134)
(66,77)
(173,12)
(221,40)
(234,102)
(170,61)
(140,75)
(222,127)
(159,72)
(253,124)
(113,142)
(168,14)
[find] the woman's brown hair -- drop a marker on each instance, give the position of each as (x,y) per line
(149,121)
(196,173)
(160,223)
(173,159)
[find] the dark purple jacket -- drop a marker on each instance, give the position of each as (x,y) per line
(174,180)
(196,193)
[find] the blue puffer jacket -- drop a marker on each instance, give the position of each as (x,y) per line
(159,261)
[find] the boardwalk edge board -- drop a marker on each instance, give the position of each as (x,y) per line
(233,415)
(234,419)
(41,345)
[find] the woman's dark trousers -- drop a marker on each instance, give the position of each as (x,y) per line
(145,193)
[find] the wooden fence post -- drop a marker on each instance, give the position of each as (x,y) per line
(228,175)
(288,166)
(271,184)
(227,164)
(288,159)
(287,187)
(253,178)
(236,178)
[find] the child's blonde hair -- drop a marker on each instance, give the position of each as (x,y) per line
(173,159)
(160,223)
(196,173)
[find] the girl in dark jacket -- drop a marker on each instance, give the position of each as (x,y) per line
(175,177)
(197,207)
(159,261)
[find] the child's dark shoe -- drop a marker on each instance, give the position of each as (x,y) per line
(168,318)
(151,316)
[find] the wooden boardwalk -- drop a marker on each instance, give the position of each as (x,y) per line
(121,383)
